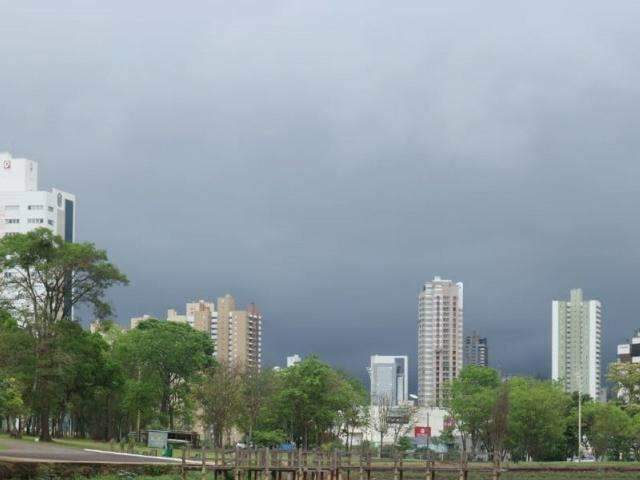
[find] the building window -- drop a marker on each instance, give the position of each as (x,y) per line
(35,207)
(35,220)
(12,207)
(12,220)
(50,222)
(50,209)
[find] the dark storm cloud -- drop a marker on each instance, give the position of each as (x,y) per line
(324,159)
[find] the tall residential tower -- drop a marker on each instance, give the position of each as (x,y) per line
(237,334)
(576,328)
(440,322)
(476,350)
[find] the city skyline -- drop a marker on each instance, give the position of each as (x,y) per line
(243,148)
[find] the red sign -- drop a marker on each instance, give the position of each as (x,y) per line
(422,431)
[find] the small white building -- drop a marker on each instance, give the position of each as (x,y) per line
(417,422)
(293,359)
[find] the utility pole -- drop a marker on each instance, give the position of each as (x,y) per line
(580,424)
(581,353)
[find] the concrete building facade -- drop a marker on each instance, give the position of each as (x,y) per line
(440,344)
(629,352)
(576,330)
(389,376)
(476,350)
(237,334)
(24,208)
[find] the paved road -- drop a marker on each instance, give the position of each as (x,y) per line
(24,451)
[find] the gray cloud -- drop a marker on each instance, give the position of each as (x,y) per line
(325,158)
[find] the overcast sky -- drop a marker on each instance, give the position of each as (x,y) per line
(325,159)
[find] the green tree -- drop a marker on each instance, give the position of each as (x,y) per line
(634,436)
(257,387)
(17,362)
(87,380)
(164,359)
(46,278)
(611,430)
(219,395)
(308,402)
(536,418)
(12,406)
(404,444)
(355,413)
(472,397)
(626,376)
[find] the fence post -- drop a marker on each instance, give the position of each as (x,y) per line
(204,462)
(183,469)
(236,463)
(267,473)
(496,472)
(318,464)
(396,473)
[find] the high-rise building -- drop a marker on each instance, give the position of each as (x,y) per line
(389,375)
(202,316)
(237,334)
(476,350)
(576,329)
(440,324)
(24,208)
(630,352)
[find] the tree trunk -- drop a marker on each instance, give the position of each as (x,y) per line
(45,433)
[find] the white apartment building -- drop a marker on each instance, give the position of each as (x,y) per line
(440,341)
(23,207)
(576,331)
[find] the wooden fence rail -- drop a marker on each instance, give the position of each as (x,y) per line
(266,464)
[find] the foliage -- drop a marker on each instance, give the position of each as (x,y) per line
(163,360)
(308,402)
(44,278)
(219,394)
(268,438)
(256,388)
(626,377)
(611,430)
(472,396)
(404,444)
(536,419)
